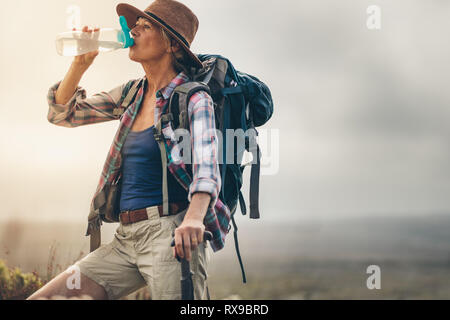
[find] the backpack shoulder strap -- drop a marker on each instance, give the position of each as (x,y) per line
(126,102)
(179,102)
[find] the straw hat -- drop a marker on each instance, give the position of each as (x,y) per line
(177,19)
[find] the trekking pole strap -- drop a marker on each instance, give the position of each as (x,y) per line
(242,203)
(236,244)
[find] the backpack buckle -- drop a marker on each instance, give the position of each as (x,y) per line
(165,118)
(158,135)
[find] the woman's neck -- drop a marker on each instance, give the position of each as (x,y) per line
(158,76)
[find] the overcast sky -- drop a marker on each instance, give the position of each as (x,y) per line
(363,115)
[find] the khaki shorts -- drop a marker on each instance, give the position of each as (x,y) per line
(140,254)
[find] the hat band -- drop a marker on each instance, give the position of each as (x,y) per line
(168,27)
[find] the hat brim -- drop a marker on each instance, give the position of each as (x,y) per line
(131,14)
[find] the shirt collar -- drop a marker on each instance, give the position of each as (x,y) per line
(166,92)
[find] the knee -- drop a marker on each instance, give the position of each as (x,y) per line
(37,296)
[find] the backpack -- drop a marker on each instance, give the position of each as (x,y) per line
(241,101)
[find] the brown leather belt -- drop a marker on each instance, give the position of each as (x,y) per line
(132,216)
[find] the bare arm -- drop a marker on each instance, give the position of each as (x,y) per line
(69,85)
(78,67)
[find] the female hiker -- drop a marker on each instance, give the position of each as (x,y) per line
(140,253)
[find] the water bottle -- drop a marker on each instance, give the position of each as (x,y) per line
(75,43)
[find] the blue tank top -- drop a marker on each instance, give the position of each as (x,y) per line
(142,173)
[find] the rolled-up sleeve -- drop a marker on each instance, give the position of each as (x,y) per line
(81,110)
(204,144)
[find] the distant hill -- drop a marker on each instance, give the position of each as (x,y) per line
(426,237)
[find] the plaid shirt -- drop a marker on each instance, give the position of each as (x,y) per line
(80,110)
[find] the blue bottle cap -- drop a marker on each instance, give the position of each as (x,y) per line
(125,37)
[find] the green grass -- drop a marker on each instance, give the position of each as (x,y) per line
(16,285)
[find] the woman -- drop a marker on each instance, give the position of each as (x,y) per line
(140,253)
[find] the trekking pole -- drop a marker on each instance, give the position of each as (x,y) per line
(187,287)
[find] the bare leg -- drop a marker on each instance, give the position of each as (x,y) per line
(58,286)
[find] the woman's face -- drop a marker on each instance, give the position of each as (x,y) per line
(149,44)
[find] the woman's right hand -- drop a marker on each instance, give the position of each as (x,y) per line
(82,62)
